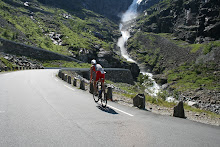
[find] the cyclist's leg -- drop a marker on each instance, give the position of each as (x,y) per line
(95,86)
(102,78)
(96,80)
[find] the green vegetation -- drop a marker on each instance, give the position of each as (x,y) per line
(206,47)
(199,111)
(7,63)
(131,91)
(75,32)
(195,47)
(191,76)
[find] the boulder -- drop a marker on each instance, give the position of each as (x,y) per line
(179,110)
(139,101)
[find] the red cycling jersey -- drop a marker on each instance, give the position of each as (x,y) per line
(98,72)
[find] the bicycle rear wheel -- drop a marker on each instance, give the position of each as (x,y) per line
(103,99)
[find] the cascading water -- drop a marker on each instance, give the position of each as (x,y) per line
(127,20)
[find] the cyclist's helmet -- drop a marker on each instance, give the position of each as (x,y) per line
(93,62)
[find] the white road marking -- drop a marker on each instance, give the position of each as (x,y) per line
(2,111)
(120,110)
(69,87)
(56,80)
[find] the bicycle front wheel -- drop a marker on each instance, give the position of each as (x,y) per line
(95,97)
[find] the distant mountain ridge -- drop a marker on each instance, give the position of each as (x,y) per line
(108,8)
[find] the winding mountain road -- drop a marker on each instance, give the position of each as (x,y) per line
(38,109)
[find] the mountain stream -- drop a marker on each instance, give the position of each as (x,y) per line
(127,20)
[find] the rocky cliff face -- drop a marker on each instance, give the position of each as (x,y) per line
(178,40)
(108,8)
(194,21)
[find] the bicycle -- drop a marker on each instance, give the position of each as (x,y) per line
(101,94)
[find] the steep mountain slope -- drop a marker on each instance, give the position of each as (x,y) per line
(61,28)
(164,40)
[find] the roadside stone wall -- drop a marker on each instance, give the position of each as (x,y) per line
(15,48)
(113,74)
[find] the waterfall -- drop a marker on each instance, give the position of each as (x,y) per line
(127,19)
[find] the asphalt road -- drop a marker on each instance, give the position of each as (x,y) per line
(38,109)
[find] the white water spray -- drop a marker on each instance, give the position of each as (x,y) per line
(127,20)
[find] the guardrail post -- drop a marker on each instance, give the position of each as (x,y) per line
(74,82)
(109,93)
(6,68)
(91,89)
(65,77)
(62,75)
(69,79)
(82,85)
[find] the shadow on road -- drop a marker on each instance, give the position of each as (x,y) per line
(107,109)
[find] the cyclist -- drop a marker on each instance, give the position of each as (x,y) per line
(97,73)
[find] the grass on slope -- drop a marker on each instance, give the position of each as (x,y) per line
(77,33)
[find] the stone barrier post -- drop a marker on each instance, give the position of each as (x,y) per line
(65,77)
(82,84)
(6,68)
(62,75)
(178,110)
(74,82)
(91,89)
(109,93)
(139,101)
(69,80)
